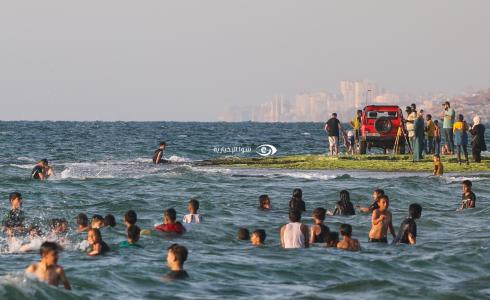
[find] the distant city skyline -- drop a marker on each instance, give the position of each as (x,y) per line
(189,60)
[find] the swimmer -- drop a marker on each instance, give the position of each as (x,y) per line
(35,240)
(343,207)
(170,224)
(294,234)
(98,246)
(258,237)
(468,199)
(296,202)
(82,223)
(13,220)
(381,222)
(318,231)
(176,256)
(348,243)
(97,222)
(133,233)
(438,167)
(130,218)
(264,202)
(376,194)
(158,155)
(47,269)
(193,216)
(42,170)
(407,234)
(332,239)
(243,234)
(109,220)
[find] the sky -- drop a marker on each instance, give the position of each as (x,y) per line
(187,60)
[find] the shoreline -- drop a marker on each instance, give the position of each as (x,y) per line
(374,162)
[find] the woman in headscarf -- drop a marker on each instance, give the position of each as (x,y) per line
(478,143)
(419,130)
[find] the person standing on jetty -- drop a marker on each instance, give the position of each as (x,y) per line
(419,131)
(411,117)
(449,116)
(478,142)
(333,128)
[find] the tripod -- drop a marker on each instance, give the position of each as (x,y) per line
(401,132)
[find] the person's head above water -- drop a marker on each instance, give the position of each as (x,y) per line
(163,145)
(243,234)
(378,193)
(437,157)
(258,237)
(415,211)
(94,236)
(130,217)
(97,221)
(193,206)
(49,253)
(344,196)
(133,234)
(169,216)
(467,184)
(176,256)
(82,220)
(345,230)
(383,203)
(15,199)
(59,225)
(298,193)
(43,162)
(109,220)
(264,202)
(294,216)
(319,214)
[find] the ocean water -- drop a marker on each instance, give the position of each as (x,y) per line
(106,168)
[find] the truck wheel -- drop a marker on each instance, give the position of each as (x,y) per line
(363,147)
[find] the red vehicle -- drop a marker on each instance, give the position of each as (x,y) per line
(379,128)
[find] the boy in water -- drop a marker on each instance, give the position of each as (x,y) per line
(243,234)
(318,231)
(97,222)
(176,256)
(348,243)
(170,224)
(381,221)
(47,269)
(438,167)
(376,194)
(193,216)
(130,218)
(468,199)
(109,220)
(13,220)
(258,237)
(264,202)
(94,238)
(407,234)
(133,233)
(158,155)
(332,239)
(82,223)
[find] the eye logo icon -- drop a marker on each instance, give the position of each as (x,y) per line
(266,150)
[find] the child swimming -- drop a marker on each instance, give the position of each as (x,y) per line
(130,218)
(438,167)
(82,223)
(98,246)
(294,234)
(170,224)
(468,199)
(381,222)
(176,256)
(192,216)
(109,221)
(318,231)
(258,237)
(97,222)
(348,243)
(13,220)
(264,202)
(407,234)
(47,269)
(133,233)
(243,234)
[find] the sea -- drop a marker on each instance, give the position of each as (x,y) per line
(106,168)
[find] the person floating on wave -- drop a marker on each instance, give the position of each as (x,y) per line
(42,170)
(318,231)
(13,220)
(170,225)
(133,233)
(468,199)
(176,256)
(438,167)
(192,216)
(376,194)
(243,234)
(98,246)
(264,202)
(158,155)
(407,234)
(258,237)
(348,243)
(294,234)
(381,222)
(47,269)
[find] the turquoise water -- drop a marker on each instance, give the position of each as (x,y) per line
(105,168)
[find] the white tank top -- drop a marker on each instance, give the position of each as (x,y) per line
(293,236)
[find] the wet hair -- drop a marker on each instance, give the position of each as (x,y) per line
(44,161)
(243,234)
(163,143)
(467,183)
(319,213)
(194,204)
(109,220)
(415,211)
(260,233)
(98,218)
(294,215)
(263,199)
(332,237)
(48,247)
(298,193)
(82,219)
(460,117)
(54,223)
(380,192)
(14,195)
(344,196)
(385,197)
(180,252)
(130,217)
(97,234)
(170,213)
(345,230)
(134,233)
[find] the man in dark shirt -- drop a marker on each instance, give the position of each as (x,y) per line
(333,128)
(13,220)
(176,256)
(407,234)
(158,155)
(42,170)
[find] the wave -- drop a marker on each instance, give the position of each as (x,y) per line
(30,166)
(452,179)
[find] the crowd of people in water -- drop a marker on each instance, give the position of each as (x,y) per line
(295,234)
(423,133)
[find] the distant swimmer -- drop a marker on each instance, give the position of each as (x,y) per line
(42,170)
(158,155)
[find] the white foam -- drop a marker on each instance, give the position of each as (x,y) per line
(451,179)
(24,158)
(175,158)
(22,166)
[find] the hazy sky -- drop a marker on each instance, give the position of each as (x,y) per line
(186,60)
